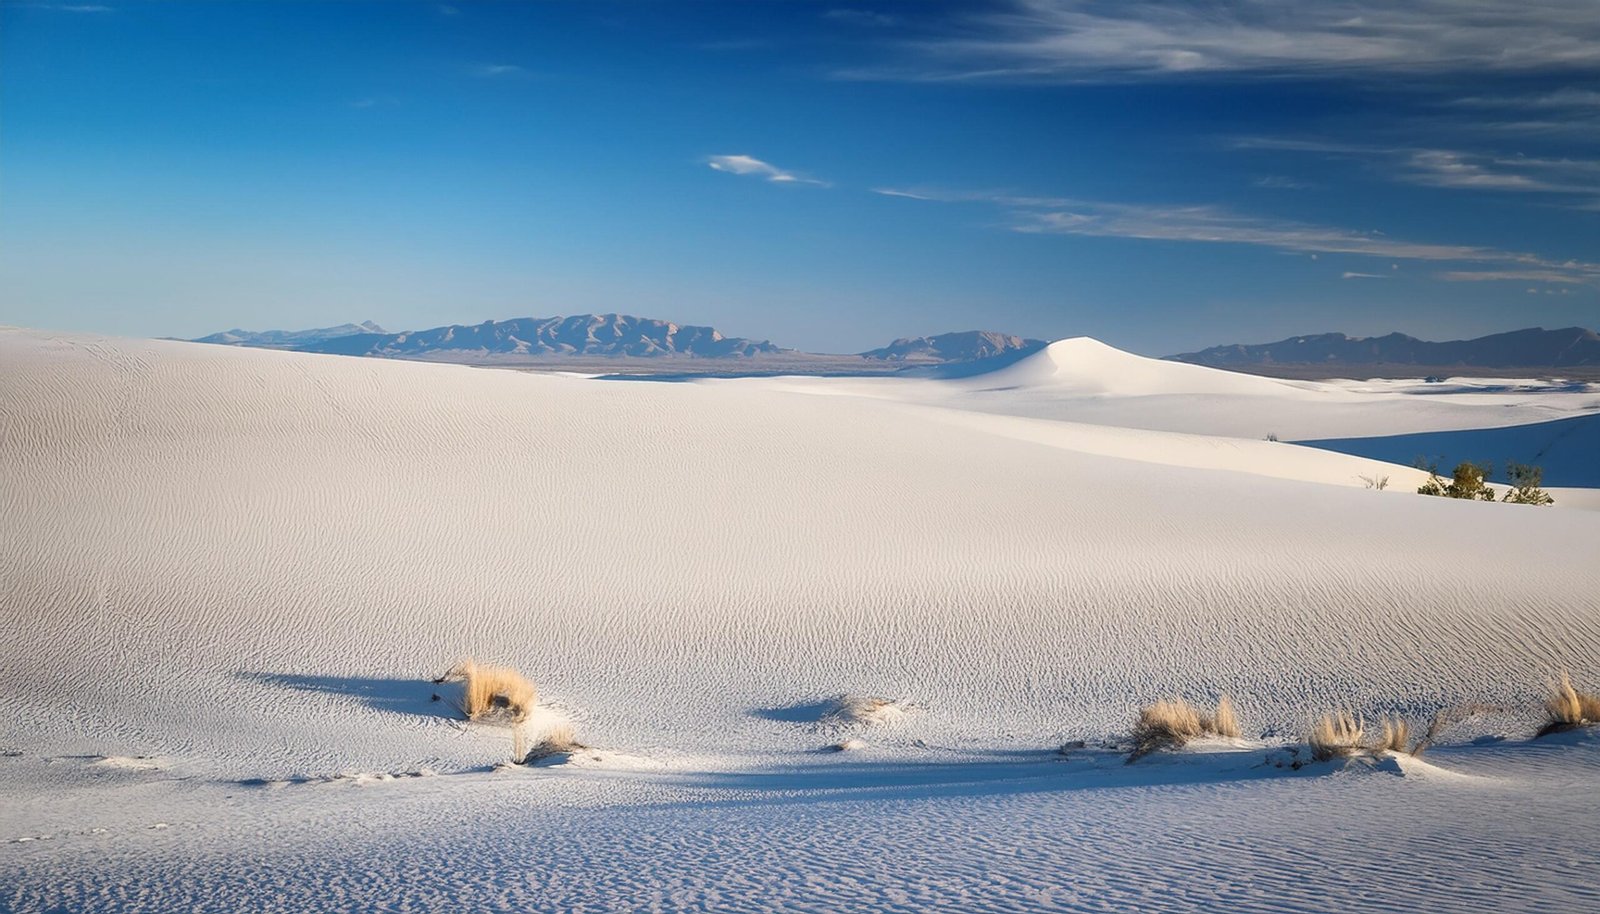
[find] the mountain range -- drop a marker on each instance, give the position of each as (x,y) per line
(597,337)
(605,336)
(287,339)
(1534,347)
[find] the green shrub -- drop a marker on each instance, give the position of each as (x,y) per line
(1525,481)
(1466,481)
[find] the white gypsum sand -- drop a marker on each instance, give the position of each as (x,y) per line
(248,564)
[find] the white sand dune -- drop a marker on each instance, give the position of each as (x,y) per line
(246,564)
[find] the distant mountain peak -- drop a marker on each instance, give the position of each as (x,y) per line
(960,346)
(286,339)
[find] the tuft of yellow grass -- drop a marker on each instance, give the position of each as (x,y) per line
(560,738)
(1173,722)
(867,709)
(1224,722)
(1396,736)
(493,690)
(1566,707)
(1336,735)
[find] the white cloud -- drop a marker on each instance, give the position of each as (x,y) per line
(497,69)
(754,167)
(1086,40)
(1351,274)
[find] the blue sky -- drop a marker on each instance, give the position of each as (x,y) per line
(1161,175)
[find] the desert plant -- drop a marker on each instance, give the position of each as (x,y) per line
(1396,736)
(1525,482)
(1337,735)
(492,690)
(850,710)
(559,739)
(1172,723)
(1224,722)
(1466,481)
(1566,707)
(1375,482)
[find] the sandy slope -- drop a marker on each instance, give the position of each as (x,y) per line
(242,563)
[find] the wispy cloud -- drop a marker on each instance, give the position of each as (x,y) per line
(1280,182)
(1567,97)
(79,7)
(1555,276)
(754,167)
(498,69)
(862,17)
(1218,225)
(1450,168)
(1079,40)
(1351,274)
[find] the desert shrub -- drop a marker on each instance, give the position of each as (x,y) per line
(1566,707)
(1375,482)
(1525,482)
(1172,723)
(1337,735)
(1466,481)
(492,690)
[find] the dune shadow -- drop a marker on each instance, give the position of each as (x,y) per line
(1564,448)
(399,696)
(811,712)
(1037,771)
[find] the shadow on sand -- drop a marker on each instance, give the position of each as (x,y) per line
(400,696)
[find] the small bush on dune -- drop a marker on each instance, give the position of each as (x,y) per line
(1466,481)
(1525,482)
(1566,707)
(1172,723)
(493,690)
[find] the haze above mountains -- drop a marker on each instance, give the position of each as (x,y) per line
(575,338)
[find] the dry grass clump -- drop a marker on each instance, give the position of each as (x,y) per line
(1172,723)
(1337,735)
(1224,722)
(866,709)
(493,690)
(1396,736)
(1566,707)
(559,739)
